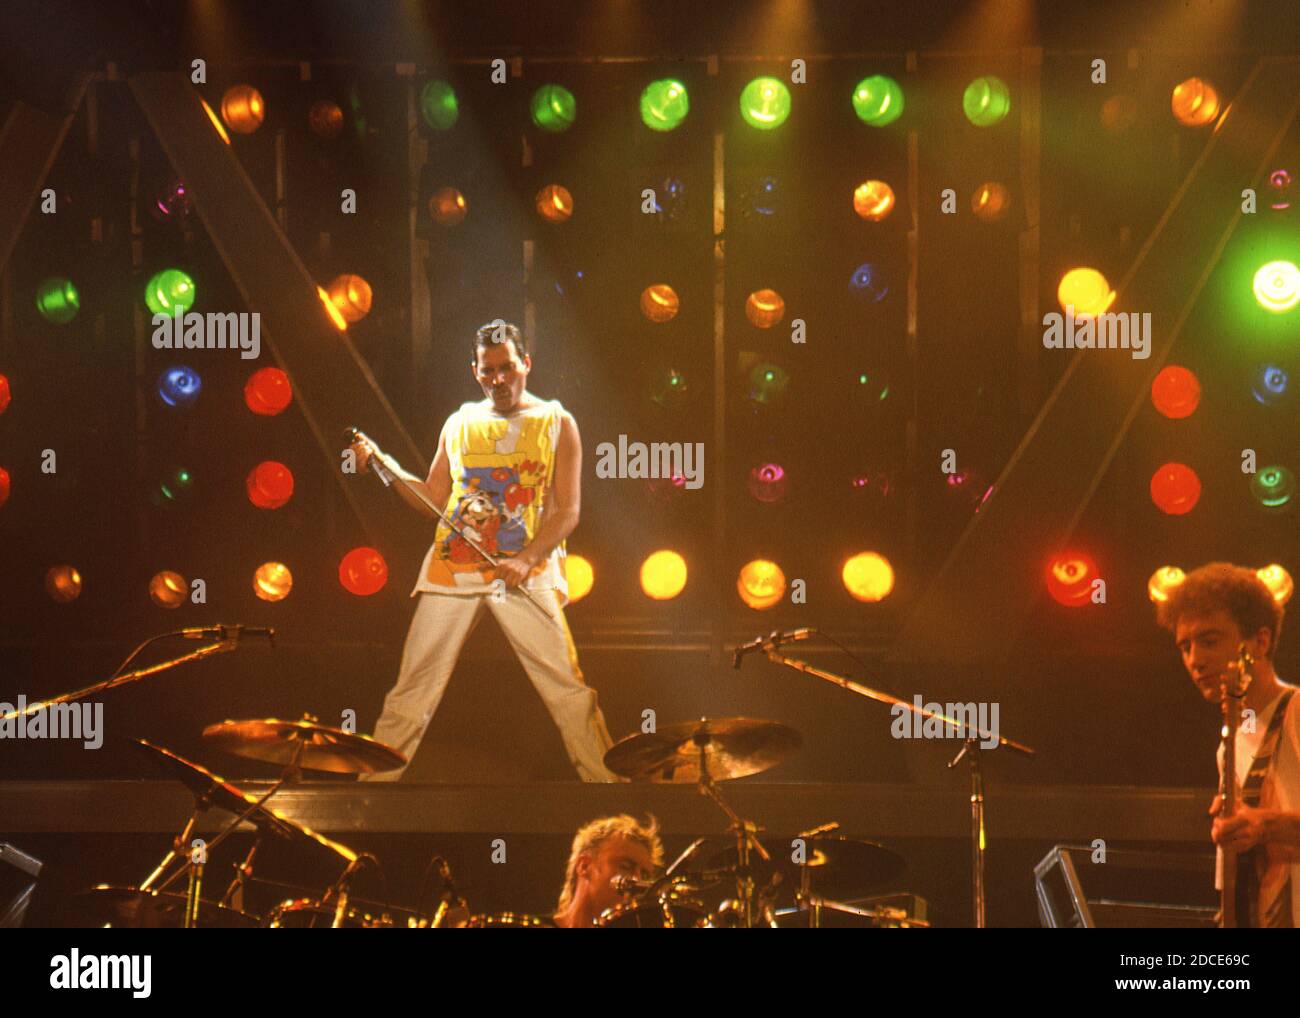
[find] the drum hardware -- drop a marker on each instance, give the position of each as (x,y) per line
(702,753)
(972,744)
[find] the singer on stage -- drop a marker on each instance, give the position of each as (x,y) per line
(508,472)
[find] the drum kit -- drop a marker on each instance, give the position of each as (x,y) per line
(823,874)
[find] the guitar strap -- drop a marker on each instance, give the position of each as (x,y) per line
(1251,865)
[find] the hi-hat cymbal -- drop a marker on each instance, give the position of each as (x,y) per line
(210,790)
(727,748)
(307,743)
(132,908)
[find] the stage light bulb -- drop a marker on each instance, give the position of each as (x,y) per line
(1195,102)
(664,104)
(363,572)
(1175,488)
(554,108)
(868,576)
(580,575)
(57,300)
(438,105)
(663,575)
(272,581)
(1162,583)
(659,302)
(761,584)
(765,103)
(1087,291)
(170,292)
(1176,392)
(764,308)
(873,200)
(986,101)
(878,100)
(1277,286)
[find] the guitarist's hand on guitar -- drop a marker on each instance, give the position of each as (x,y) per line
(1243,830)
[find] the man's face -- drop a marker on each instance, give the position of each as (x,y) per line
(502,374)
(617,856)
(1209,645)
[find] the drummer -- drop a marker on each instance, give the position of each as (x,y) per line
(603,849)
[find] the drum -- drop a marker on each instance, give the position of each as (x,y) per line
(310,913)
(508,921)
(668,911)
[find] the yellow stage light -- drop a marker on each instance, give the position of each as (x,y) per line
(272,581)
(868,576)
(1162,583)
(581,577)
(761,584)
(663,575)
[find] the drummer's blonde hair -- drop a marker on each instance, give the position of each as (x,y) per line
(592,835)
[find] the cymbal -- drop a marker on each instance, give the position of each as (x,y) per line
(210,790)
(839,867)
(307,743)
(132,908)
(729,748)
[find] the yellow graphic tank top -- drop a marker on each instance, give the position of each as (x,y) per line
(502,469)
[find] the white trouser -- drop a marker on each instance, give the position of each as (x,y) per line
(438,631)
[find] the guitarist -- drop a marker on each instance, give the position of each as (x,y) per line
(1215,612)
(507,472)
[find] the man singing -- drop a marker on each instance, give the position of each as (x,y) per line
(508,472)
(1215,610)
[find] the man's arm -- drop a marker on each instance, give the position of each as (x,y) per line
(563,507)
(437,485)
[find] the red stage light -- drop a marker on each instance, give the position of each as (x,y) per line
(4,485)
(268,392)
(1069,578)
(1175,488)
(269,485)
(1175,392)
(4,393)
(363,572)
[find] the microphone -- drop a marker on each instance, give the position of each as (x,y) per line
(770,642)
(226,632)
(624,884)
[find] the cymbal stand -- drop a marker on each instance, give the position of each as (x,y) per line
(746,832)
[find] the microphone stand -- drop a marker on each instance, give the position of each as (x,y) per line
(388,472)
(972,743)
(220,647)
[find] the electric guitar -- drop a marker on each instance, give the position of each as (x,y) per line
(1233,690)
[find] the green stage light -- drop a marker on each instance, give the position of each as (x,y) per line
(438,105)
(554,108)
(169,291)
(765,103)
(986,101)
(1277,286)
(1273,487)
(57,300)
(878,100)
(664,104)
